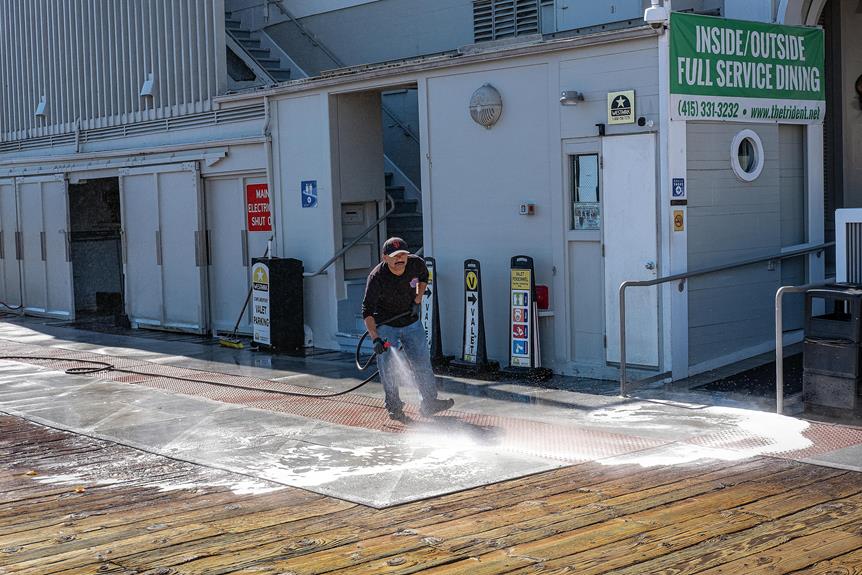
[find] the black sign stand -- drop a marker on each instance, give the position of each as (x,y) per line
(437,357)
(473,357)
(524,345)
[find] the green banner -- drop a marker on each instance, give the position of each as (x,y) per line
(738,70)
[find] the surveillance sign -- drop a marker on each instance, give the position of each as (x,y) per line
(740,71)
(260,303)
(621,107)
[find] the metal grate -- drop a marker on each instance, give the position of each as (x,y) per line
(497,19)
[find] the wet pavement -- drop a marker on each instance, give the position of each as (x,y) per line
(346,446)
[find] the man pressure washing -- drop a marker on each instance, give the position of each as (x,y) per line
(390,309)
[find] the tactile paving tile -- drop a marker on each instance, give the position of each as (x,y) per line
(825,438)
(356,410)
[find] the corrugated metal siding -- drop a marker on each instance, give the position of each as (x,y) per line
(89,59)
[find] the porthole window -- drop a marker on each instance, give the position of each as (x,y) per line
(746,155)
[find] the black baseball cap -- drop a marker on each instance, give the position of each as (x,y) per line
(395,246)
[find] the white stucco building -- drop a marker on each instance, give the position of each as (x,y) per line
(133,132)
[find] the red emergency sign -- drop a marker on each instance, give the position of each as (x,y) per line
(257,208)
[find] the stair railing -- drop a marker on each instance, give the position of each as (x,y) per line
(408,131)
(353,242)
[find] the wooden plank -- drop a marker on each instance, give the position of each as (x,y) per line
(797,554)
(847,564)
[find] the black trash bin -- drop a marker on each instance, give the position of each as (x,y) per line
(831,352)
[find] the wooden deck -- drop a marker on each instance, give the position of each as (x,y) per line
(756,516)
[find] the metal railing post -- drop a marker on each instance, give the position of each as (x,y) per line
(779,338)
(623,287)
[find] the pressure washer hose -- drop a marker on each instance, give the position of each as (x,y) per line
(102,366)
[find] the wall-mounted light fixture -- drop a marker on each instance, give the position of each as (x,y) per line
(571,97)
(40,108)
(147,90)
(859,88)
(486,106)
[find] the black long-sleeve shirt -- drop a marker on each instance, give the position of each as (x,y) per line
(388,295)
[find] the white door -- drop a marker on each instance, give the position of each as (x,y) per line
(43,216)
(183,266)
(10,265)
(163,246)
(141,257)
(231,247)
(630,236)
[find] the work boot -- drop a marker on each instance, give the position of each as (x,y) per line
(429,408)
(399,416)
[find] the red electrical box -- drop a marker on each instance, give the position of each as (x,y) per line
(542,297)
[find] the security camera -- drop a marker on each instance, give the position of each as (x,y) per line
(656,15)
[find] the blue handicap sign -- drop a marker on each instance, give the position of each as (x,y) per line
(309,193)
(678,188)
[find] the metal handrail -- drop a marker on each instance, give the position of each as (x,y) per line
(681,277)
(355,240)
(340,64)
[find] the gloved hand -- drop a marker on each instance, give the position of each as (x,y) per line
(380,346)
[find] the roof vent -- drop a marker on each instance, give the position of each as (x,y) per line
(486,106)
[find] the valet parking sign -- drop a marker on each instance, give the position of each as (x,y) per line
(740,71)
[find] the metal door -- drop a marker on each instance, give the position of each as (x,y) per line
(630,237)
(43,216)
(10,264)
(163,246)
(230,249)
(181,224)
(141,247)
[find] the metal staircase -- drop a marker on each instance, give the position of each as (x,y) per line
(252,46)
(406,221)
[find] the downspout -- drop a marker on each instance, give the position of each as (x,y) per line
(267,134)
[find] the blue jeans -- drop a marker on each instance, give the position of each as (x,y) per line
(417,358)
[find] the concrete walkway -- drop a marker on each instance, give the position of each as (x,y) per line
(347,447)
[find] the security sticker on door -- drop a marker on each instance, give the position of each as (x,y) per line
(260,303)
(621,107)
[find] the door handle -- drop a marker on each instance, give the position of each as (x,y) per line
(244,241)
(44,246)
(2,247)
(209,248)
(158,247)
(18,251)
(66,236)
(197,248)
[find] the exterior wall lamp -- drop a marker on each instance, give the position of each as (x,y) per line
(571,97)
(859,89)
(40,108)
(147,90)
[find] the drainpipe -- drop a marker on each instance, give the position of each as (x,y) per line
(267,134)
